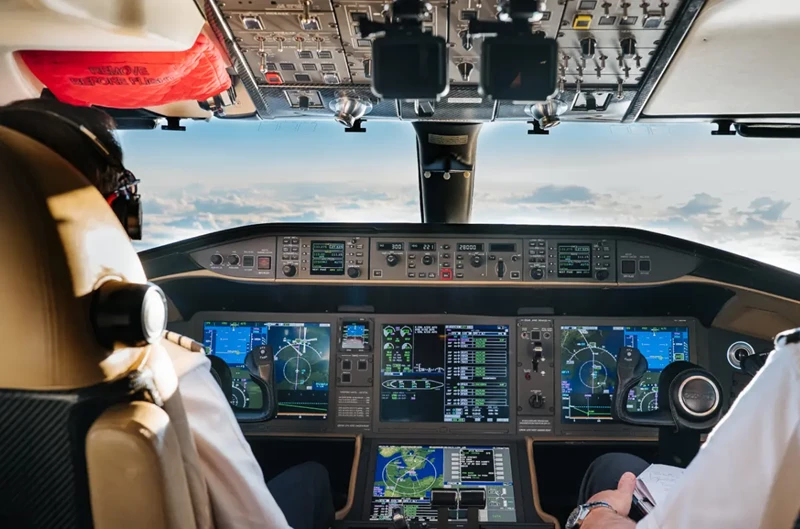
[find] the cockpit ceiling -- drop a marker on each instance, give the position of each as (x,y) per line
(325,57)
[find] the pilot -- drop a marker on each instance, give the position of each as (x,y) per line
(300,497)
(745,476)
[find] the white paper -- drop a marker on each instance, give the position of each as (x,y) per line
(656,482)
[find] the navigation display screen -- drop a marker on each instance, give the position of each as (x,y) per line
(444,373)
(575,260)
(405,475)
(327,258)
(302,363)
(589,367)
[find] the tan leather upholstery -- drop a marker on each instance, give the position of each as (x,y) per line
(124,446)
(61,241)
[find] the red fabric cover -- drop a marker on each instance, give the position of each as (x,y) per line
(131,79)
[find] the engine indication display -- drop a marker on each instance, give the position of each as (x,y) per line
(575,260)
(589,367)
(445,373)
(405,475)
(327,258)
(302,363)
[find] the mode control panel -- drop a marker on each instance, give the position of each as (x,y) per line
(535,367)
(464,259)
(571,260)
(322,258)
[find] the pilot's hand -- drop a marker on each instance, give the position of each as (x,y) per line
(620,499)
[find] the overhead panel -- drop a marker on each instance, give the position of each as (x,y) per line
(606,48)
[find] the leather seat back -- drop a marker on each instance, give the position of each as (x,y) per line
(78,446)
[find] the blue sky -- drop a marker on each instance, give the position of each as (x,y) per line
(728,192)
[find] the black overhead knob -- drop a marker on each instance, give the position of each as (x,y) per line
(588,47)
(233,259)
(216,259)
(354,272)
(476,261)
(537,273)
(289,270)
(601,275)
(427,260)
(128,314)
(628,46)
(392,259)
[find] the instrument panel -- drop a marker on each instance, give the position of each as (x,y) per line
(406,375)
(357,258)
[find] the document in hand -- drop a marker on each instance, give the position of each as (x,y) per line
(654,484)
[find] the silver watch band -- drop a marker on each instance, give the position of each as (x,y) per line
(580,513)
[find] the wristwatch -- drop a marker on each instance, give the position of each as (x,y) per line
(582,511)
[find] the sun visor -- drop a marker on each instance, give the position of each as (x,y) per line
(131,79)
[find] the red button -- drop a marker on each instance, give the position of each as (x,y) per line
(273,78)
(527,375)
(446,274)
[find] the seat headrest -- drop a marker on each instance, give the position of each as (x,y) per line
(60,241)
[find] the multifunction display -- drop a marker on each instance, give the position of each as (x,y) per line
(405,475)
(575,260)
(589,367)
(302,363)
(327,258)
(354,336)
(444,373)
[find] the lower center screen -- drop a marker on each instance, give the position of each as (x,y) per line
(444,373)
(405,475)
(302,362)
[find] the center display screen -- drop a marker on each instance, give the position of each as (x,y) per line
(589,367)
(327,258)
(302,363)
(444,373)
(405,475)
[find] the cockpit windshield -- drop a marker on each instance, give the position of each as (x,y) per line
(724,191)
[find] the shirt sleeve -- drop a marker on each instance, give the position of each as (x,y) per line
(239,496)
(745,474)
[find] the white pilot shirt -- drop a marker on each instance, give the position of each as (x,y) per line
(747,473)
(239,496)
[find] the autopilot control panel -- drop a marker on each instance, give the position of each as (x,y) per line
(430,259)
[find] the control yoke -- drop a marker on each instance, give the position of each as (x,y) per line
(689,402)
(260,363)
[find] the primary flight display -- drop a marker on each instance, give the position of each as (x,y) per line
(302,362)
(589,366)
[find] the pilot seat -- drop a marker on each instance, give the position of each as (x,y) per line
(93,428)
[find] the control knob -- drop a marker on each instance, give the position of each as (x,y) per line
(392,259)
(500,269)
(601,275)
(476,261)
(289,270)
(588,47)
(427,260)
(233,259)
(216,259)
(354,272)
(536,400)
(628,45)
(537,273)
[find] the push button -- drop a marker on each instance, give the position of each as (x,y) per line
(446,274)
(644,265)
(628,266)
